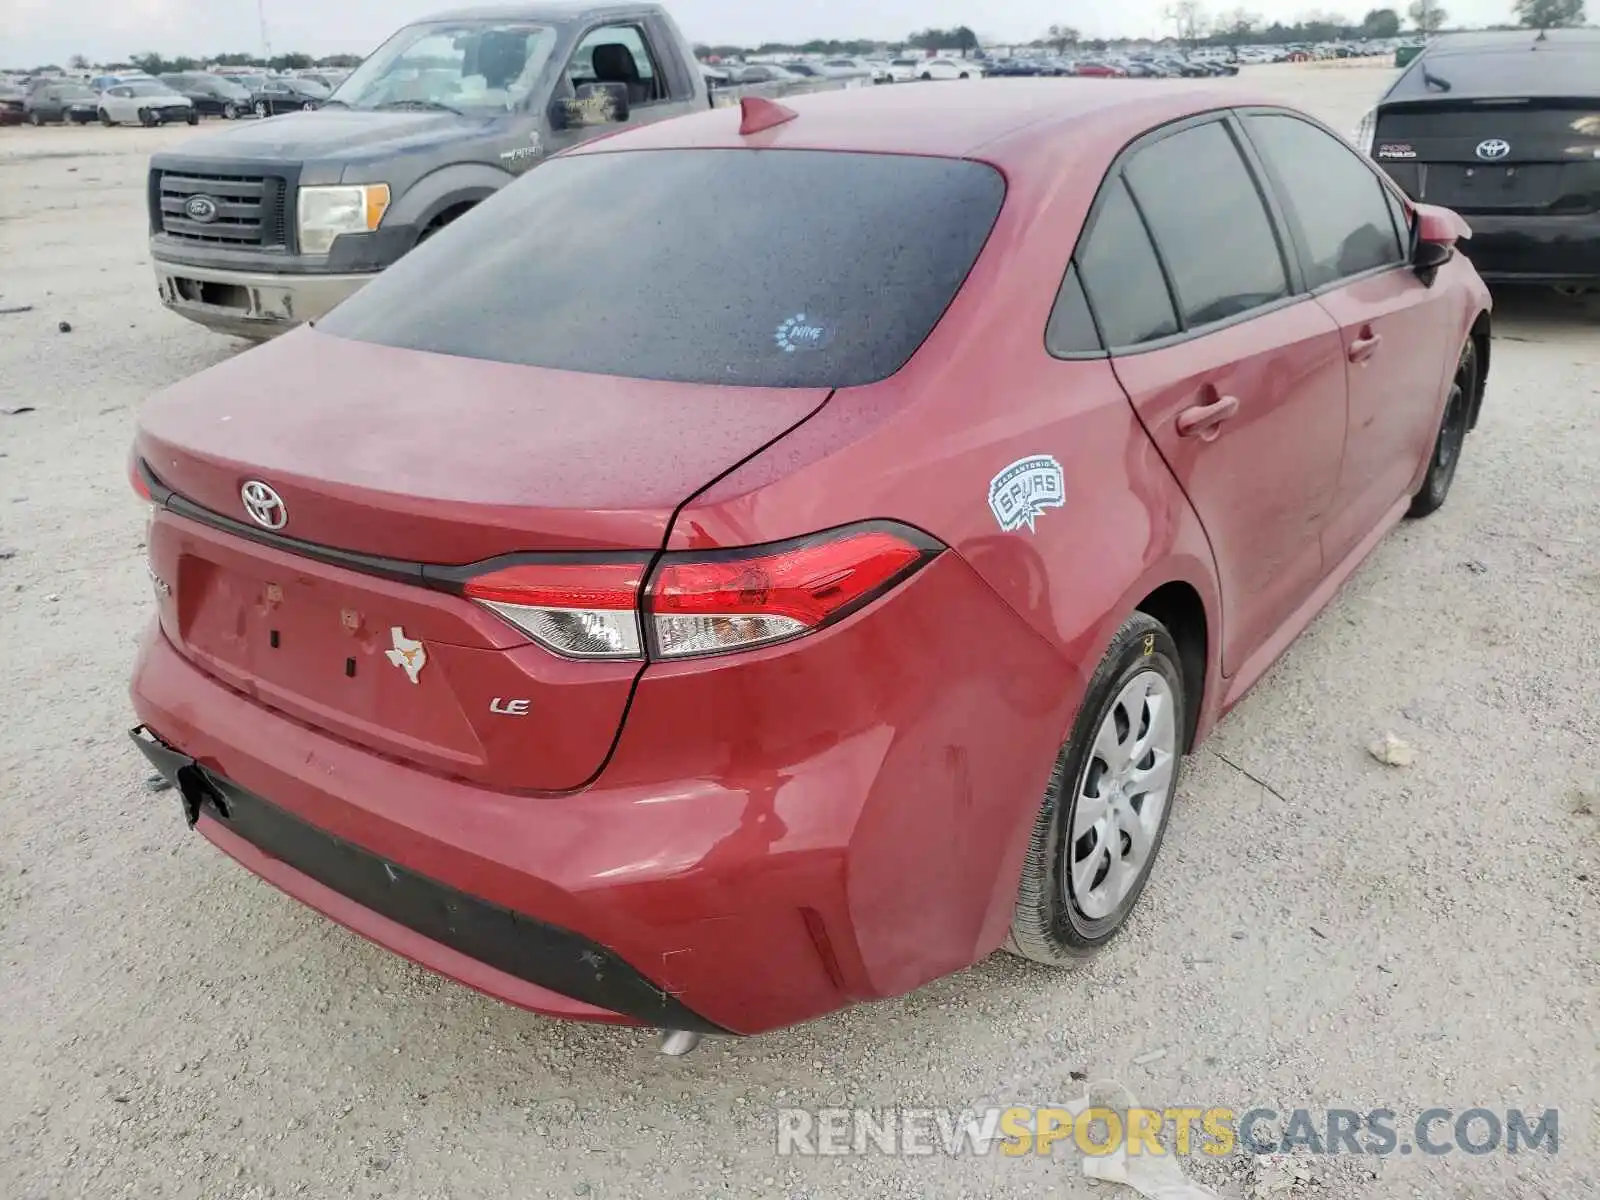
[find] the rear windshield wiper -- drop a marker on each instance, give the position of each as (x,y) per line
(1429,79)
(437,105)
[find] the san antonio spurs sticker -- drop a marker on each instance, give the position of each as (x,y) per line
(1019,495)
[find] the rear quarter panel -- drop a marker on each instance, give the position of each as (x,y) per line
(924,447)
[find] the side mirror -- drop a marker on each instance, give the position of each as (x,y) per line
(1434,235)
(594,104)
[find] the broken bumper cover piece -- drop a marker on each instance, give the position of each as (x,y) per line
(377,899)
(248,303)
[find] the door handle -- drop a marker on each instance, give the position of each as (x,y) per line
(1364,347)
(1204,420)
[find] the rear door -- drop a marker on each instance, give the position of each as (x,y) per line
(1351,235)
(1236,376)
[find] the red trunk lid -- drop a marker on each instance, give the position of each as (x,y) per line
(424,458)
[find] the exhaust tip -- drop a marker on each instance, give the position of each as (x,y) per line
(675,1043)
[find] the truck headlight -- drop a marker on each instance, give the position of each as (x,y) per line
(326,212)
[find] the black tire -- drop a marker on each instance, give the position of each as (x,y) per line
(229,112)
(261,109)
(105,119)
(1453,426)
(308,106)
(146,117)
(1047,925)
(926,76)
(193,118)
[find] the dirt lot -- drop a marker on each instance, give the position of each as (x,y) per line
(1322,931)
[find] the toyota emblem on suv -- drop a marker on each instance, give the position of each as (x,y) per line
(201,208)
(264,505)
(1494,149)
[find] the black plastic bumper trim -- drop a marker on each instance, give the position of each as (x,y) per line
(544,955)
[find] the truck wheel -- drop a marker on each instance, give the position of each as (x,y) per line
(308,106)
(105,118)
(1106,806)
(261,108)
(229,112)
(193,117)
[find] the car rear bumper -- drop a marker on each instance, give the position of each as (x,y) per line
(1531,249)
(775,837)
(248,303)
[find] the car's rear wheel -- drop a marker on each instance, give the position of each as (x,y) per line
(261,108)
(1107,803)
(1452,436)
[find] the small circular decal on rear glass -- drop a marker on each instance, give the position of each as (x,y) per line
(801,332)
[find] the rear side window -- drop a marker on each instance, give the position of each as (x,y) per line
(778,268)
(1122,276)
(1071,329)
(1209,223)
(1332,199)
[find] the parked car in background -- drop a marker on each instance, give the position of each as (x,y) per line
(806,70)
(13,104)
(903,70)
(1505,128)
(63,100)
(144,102)
(1094,68)
(949,68)
(211,95)
(766,73)
(285,94)
(726,665)
(847,68)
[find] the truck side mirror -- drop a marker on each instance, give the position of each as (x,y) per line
(594,104)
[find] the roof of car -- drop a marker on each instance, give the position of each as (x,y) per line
(977,119)
(551,10)
(1514,39)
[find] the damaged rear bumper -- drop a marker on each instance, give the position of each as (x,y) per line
(531,963)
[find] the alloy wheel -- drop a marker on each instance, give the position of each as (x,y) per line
(1122,796)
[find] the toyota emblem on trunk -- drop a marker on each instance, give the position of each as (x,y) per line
(264,505)
(201,208)
(1493,149)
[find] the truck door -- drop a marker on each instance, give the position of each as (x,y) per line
(633,56)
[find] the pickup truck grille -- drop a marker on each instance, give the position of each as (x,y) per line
(250,209)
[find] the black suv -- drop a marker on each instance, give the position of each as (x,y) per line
(211,95)
(1504,128)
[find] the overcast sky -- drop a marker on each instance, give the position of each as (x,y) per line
(34,32)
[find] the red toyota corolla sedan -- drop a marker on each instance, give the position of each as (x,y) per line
(771,559)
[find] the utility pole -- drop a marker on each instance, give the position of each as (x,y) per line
(266,42)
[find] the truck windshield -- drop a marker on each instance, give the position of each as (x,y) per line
(780,268)
(471,66)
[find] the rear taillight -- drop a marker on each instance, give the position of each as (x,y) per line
(702,603)
(136,476)
(581,610)
(1366,132)
(709,605)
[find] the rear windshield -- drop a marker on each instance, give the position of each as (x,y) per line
(777,268)
(1561,70)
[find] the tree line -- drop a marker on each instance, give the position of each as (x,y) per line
(1190,21)
(152,63)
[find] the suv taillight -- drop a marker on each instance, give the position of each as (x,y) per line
(703,603)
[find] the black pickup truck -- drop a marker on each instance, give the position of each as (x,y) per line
(269,223)
(1504,127)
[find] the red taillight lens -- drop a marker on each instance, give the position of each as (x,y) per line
(581,610)
(141,485)
(734,602)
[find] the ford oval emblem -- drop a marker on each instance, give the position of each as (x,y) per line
(201,208)
(1494,149)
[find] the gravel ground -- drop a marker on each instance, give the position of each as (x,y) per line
(1322,931)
